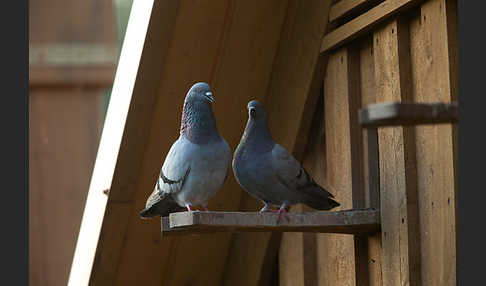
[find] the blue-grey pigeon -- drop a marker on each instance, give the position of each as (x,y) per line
(268,172)
(198,162)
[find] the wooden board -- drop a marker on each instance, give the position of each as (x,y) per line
(345,7)
(357,221)
(365,22)
(336,252)
(371,170)
(434,70)
(399,113)
(398,192)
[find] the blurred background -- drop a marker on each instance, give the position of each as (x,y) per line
(73,53)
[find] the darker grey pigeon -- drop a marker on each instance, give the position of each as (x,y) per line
(268,172)
(197,163)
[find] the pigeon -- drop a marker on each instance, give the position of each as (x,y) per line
(198,162)
(269,173)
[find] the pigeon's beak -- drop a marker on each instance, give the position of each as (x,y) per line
(209,96)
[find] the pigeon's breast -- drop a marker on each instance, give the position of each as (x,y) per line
(209,166)
(254,173)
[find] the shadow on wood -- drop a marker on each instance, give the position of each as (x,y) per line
(356,221)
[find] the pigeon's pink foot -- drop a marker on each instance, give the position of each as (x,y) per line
(189,208)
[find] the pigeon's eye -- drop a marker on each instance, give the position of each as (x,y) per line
(253,112)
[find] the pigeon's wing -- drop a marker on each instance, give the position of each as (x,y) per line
(290,173)
(176,167)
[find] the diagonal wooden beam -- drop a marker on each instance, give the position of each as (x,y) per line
(135,85)
(365,22)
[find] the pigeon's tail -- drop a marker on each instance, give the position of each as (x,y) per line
(320,199)
(162,207)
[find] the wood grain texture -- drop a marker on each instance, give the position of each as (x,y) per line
(293,89)
(371,170)
(398,113)
(354,221)
(365,22)
(398,185)
(336,252)
(434,71)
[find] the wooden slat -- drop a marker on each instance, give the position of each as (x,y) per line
(398,192)
(365,22)
(398,113)
(335,251)
(357,221)
(371,168)
(292,92)
(434,69)
(356,149)
(346,7)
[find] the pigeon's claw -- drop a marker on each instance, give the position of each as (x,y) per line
(282,210)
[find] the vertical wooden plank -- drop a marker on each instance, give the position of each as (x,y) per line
(401,259)
(356,148)
(371,169)
(434,64)
(298,265)
(291,260)
(336,251)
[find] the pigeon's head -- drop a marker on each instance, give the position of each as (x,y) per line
(200,92)
(255,110)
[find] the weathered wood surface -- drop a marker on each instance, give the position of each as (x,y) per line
(371,170)
(398,182)
(365,22)
(359,221)
(434,69)
(399,113)
(346,7)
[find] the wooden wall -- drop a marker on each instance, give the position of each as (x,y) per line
(72,61)
(270,50)
(411,57)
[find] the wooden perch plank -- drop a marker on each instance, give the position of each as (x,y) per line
(358,221)
(346,7)
(364,23)
(396,113)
